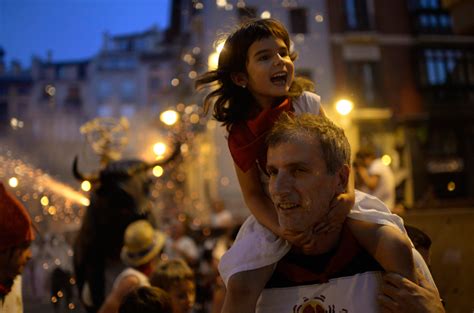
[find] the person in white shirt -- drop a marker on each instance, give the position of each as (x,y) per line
(141,250)
(376,178)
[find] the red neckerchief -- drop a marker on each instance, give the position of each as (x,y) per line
(344,253)
(4,290)
(247,139)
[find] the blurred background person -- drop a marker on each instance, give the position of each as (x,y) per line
(177,278)
(220,216)
(374,177)
(146,300)
(142,247)
(179,244)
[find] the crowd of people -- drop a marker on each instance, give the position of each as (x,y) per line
(311,244)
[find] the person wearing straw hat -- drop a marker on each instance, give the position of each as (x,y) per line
(16,235)
(142,246)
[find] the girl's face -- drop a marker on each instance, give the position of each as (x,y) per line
(270,70)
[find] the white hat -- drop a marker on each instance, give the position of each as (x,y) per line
(141,243)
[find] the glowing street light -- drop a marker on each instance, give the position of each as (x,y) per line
(86,185)
(159,149)
(344,106)
(213,59)
(158,171)
(386,160)
(13,182)
(169,117)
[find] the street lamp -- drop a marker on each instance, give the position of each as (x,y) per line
(159,149)
(169,117)
(344,107)
(213,59)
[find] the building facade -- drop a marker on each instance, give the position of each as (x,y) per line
(411,80)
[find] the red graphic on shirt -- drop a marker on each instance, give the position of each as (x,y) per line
(315,305)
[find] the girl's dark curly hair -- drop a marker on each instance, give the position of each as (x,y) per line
(233,103)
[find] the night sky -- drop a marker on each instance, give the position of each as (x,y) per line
(72,29)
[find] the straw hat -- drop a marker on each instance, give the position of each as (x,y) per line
(141,243)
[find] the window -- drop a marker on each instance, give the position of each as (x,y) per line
(246,13)
(104,90)
(446,76)
(154,84)
(453,67)
(23,90)
(3,90)
(298,21)
(127,90)
(118,63)
(73,98)
(429,17)
(357,17)
(4,113)
(362,77)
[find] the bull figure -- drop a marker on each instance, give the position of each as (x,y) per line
(119,196)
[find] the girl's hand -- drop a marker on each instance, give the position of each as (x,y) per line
(339,207)
(324,234)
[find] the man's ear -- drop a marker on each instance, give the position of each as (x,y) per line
(343,176)
(240,79)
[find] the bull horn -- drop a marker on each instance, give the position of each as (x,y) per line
(82,177)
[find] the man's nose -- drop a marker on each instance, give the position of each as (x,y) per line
(281,184)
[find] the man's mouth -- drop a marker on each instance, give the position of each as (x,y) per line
(287,206)
(279,78)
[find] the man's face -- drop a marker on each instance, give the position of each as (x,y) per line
(12,263)
(300,185)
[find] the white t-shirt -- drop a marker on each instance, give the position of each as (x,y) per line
(129,271)
(385,189)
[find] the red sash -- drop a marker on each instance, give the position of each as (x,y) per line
(247,139)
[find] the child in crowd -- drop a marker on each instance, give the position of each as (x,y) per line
(177,278)
(146,300)
(255,83)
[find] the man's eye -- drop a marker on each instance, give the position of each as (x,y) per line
(299,170)
(263,57)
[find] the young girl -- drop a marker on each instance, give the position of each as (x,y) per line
(255,83)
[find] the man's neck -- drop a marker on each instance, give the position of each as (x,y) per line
(328,242)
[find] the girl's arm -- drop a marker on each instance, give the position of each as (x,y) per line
(260,205)
(388,245)
(244,288)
